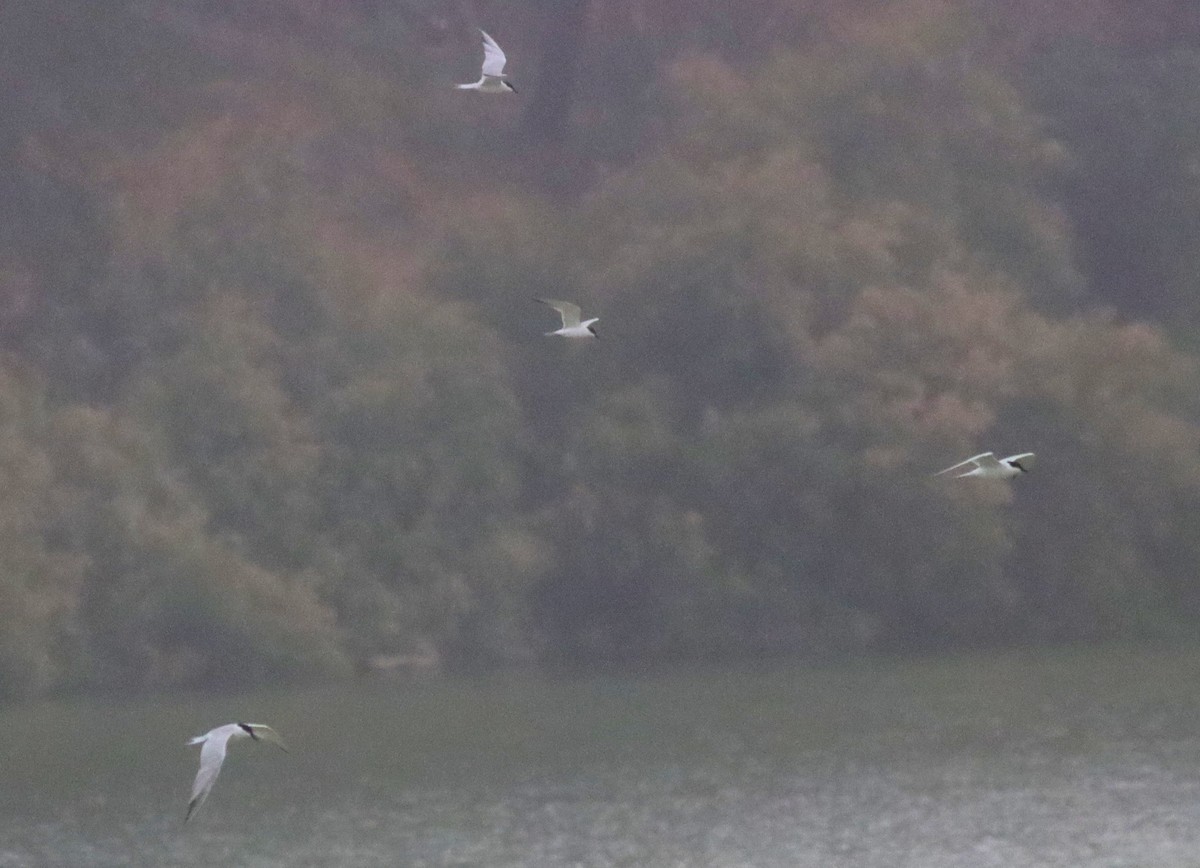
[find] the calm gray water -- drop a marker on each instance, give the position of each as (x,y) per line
(1087,758)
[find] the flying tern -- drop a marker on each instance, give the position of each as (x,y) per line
(571,326)
(987,466)
(212,755)
(492,78)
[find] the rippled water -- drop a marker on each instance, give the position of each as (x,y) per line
(1063,759)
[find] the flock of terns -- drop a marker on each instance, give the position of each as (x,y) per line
(492,80)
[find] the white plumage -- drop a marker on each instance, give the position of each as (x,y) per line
(987,466)
(570,313)
(212,755)
(492,78)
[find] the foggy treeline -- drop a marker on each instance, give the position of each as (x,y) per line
(275,401)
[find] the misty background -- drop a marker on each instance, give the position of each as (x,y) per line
(275,401)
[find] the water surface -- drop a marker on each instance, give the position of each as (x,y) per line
(1082,758)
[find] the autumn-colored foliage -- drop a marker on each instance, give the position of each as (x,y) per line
(275,401)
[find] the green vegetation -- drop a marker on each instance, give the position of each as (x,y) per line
(274,400)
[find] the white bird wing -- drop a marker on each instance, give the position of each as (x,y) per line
(1025,460)
(212,756)
(569,312)
(262,732)
(983,459)
(493,57)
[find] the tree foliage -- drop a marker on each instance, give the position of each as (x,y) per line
(275,400)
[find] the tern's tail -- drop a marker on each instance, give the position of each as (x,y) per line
(197,740)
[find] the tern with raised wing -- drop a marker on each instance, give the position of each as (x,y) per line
(988,466)
(212,755)
(492,79)
(572,327)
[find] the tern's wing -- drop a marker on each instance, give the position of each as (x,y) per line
(1024,460)
(262,732)
(569,312)
(984,459)
(212,755)
(493,57)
